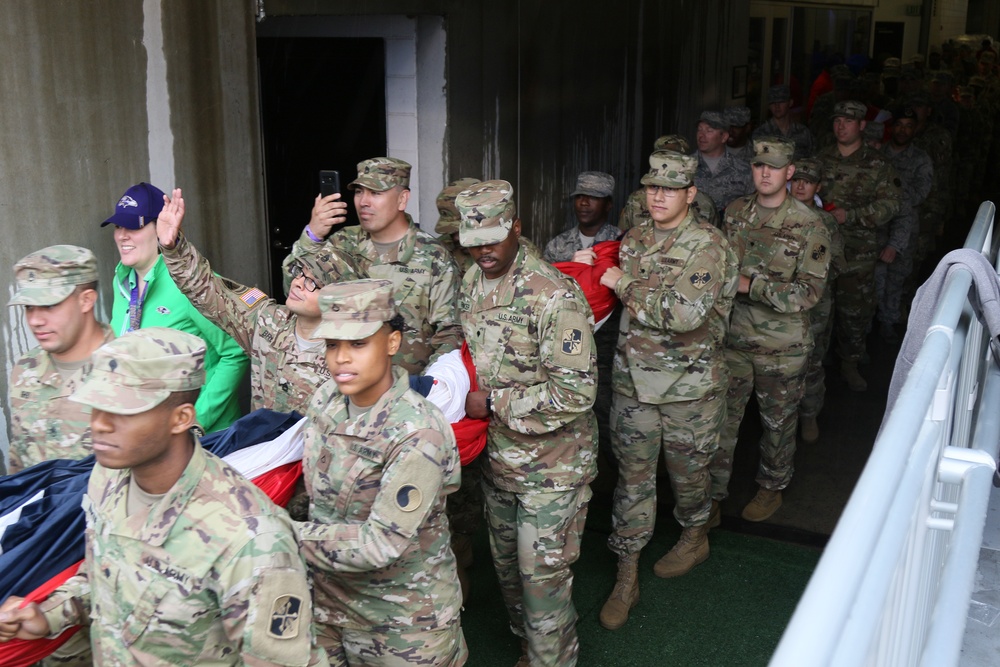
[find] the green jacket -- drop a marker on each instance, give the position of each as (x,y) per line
(165,306)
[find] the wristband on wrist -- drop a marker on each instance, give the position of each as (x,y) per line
(489,403)
(312,236)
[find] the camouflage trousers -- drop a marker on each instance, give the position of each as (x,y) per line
(345,647)
(74,653)
(535,538)
(821,326)
(777,381)
(890,281)
(688,433)
(854,301)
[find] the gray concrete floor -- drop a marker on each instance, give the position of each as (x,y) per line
(981,645)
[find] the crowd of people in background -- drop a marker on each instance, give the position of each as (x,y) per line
(731,270)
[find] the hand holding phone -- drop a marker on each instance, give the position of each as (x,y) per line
(328,210)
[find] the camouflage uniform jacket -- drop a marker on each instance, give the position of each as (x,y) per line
(797,132)
(787,258)
(532,342)
(677,294)
(44,423)
(837,265)
(377,541)
(210,574)
(282,377)
(733,179)
(917,176)
(635,213)
(868,188)
(562,247)
(425,284)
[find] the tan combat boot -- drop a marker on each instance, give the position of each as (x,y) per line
(849,371)
(763,505)
(625,595)
(715,517)
(809,429)
(689,551)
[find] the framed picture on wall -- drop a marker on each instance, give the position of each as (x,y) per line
(739,82)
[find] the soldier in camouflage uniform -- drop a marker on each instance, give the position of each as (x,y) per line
(865,192)
(388,244)
(592,208)
(677,281)
(738,145)
(58,288)
(936,141)
(187,563)
(286,362)
(720,175)
(780,124)
(806,184)
(898,240)
(379,461)
(635,212)
(529,331)
(784,253)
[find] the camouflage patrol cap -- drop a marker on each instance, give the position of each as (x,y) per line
(714,119)
(850,109)
(672,142)
(449,217)
(773,151)
(905,111)
(354,309)
(670,169)
(779,93)
(977,81)
(919,100)
(841,73)
(47,276)
(488,213)
(910,73)
(381,174)
(594,184)
(988,57)
(323,265)
(138,371)
(737,116)
(965,91)
(808,169)
(917,58)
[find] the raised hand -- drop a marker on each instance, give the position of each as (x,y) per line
(168,223)
(327,211)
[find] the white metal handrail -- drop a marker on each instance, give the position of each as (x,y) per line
(894,582)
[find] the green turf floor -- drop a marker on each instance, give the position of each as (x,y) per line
(728,611)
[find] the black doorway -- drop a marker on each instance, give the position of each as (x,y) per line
(322,107)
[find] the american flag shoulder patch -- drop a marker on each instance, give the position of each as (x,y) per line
(252,297)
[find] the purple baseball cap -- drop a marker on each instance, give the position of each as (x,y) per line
(139,206)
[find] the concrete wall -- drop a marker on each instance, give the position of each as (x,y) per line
(100,95)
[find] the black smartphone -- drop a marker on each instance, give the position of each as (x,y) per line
(329,182)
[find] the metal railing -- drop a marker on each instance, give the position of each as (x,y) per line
(894,583)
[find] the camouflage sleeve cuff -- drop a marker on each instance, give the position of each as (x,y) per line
(622,285)
(62,611)
(307,242)
(177,248)
(757,286)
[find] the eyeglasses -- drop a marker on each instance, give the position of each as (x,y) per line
(664,190)
(307,282)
